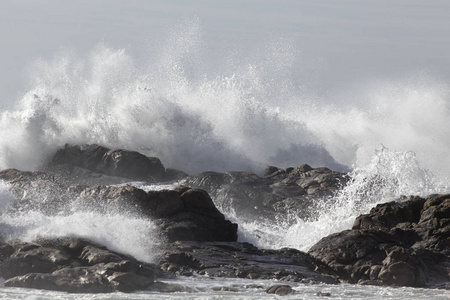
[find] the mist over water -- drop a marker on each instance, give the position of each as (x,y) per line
(199,111)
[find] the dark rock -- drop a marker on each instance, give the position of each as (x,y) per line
(75,266)
(163,287)
(387,215)
(112,162)
(402,243)
(72,280)
(182,214)
(280,290)
(240,260)
(278,192)
(323,294)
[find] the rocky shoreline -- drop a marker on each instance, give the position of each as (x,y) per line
(400,243)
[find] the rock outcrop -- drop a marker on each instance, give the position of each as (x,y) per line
(278,192)
(401,243)
(240,260)
(76,162)
(404,243)
(72,265)
(181,214)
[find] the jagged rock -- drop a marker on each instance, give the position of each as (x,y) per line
(403,243)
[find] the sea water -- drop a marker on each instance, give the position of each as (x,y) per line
(240,112)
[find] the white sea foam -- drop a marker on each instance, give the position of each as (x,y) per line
(118,232)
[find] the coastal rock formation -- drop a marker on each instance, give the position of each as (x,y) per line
(403,243)
(182,214)
(113,163)
(279,191)
(240,260)
(72,265)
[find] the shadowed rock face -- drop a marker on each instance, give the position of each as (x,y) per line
(398,243)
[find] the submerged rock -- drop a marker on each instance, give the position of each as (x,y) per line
(398,243)
(280,290)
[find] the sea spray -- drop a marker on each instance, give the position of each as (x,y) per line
(119,230)
(233,109)
(389,175)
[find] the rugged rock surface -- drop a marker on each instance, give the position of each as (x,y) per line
(278,192)
(240,260)
(72,265)
(76,161)
(405,243)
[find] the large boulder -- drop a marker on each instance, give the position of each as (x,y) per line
(403,243)
(182,214)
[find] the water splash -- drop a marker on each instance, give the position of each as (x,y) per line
(389,175)
(119,231)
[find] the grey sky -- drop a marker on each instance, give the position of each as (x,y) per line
(354,39)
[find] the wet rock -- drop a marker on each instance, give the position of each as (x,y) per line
(280,290)
(163,287)
(74,265)
(112,162)
(240,260)
(279,192)
(323,294)
(398,243)
(181,214)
